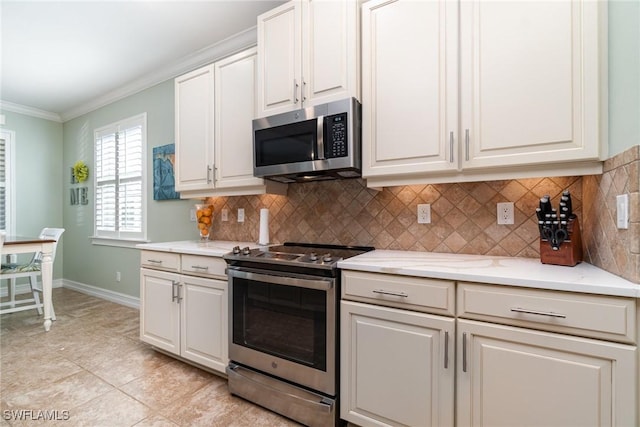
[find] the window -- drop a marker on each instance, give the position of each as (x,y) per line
(7,181)
(120,170)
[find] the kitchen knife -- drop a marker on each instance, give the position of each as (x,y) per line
(566,199)
(545,204)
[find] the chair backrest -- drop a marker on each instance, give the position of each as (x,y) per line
(53,234)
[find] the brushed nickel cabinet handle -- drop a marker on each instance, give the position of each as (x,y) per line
(197,267)
(295,91)
(446,350)
(154,261)
(538,313)
(304,91)
(178,297)
(208,174)
(451,147)
(464,352)
(395,294)
(174,291)
(466,144)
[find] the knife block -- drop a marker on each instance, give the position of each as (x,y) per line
(570,251)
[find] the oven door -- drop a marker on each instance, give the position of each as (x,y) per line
(284,325)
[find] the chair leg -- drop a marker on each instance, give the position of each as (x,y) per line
(11,289)
(35,293)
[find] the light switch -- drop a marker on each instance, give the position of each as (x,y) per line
(622,211)
(240,215)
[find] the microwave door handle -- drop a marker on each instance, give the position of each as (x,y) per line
(320,140)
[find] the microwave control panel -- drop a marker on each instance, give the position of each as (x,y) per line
(336,136)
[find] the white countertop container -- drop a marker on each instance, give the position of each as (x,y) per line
(523,272)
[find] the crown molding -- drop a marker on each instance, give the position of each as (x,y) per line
(29,111)
(205,56)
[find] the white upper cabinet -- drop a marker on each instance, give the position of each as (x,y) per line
(529,82)
(194,130)
(477,90)
(410,86)
(234,111)
(214,108)
(307,55)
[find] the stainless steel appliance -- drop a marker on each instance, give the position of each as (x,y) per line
(315,143)
(283,328)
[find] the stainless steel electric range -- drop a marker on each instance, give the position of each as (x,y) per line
(283,328)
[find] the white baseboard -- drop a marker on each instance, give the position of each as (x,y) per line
(24,288)
(117,297)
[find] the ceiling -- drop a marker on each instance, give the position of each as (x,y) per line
(70,57)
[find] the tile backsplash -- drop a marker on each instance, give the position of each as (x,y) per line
(463,215)
(614,250)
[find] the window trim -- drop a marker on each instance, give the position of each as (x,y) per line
(125,239)
(9,137)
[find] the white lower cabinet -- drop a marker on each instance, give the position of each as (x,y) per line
(523,357)
(511,376)
(159,313)
(396,359)
(204,322)
(397,367)
(185,316)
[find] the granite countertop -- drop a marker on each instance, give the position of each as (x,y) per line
(215,248)
(524,272)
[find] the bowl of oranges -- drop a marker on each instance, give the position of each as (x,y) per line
(204,218)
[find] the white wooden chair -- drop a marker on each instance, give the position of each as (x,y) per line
(32,271)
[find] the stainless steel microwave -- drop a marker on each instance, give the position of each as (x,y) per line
(310,144)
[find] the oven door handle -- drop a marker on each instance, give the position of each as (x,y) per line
(321,284)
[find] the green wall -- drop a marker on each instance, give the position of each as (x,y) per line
(624,75)
(39,175)
(167,220)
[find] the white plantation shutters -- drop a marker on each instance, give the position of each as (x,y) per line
(7,181)
(3,185)
(119,177)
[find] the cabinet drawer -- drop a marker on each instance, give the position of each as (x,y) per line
(595,316)
(205,266)
(160,260)
(411,293)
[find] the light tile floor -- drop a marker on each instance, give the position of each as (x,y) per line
(91,369)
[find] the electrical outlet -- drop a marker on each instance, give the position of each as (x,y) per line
(240,215)
(225,215)
(505,213)
(424,213)
(192,215)
(622,211)
(118,277)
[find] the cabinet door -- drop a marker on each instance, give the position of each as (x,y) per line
(194,130)
(529,82)
(204,322)
(279,59)
(409,87)
(510,376)
(330,53)
(397,367)
(235,108)
(159,310)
